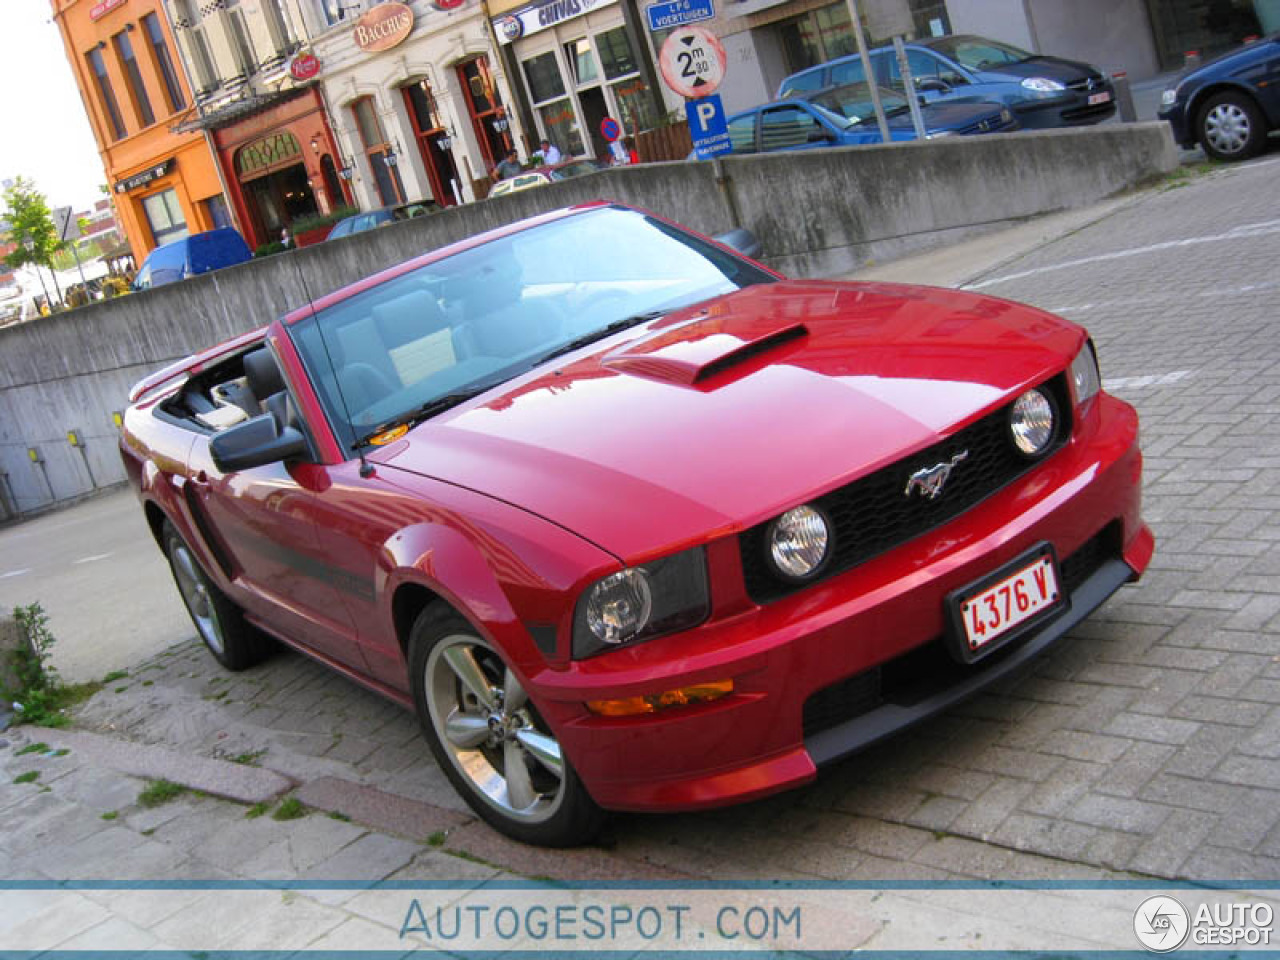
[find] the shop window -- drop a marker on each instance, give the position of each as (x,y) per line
(98,66)
(335,11)
(581,63)
(133,77)
(817,36)
(164,62)
(615,53)
(383,161)
(488,117)
(434,144)
(560,126)
(332,183)
(543,74)
(216,212)
(635,104)
(164,216)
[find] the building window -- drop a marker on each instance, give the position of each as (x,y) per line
(581,63)
(246,56)
(487,114)
(133,77)
(429,131)
(615,53)
(108,95)
(386,175)
(164,216)
(335,11)
(215,209)
(160,50)
(817,36)
(198,56)
(546,87)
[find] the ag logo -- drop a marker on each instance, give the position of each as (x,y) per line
(1161,924)
(931,480)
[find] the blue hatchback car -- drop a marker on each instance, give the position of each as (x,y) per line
(1041,91)
(843,117)
(1228,105)
(194,254)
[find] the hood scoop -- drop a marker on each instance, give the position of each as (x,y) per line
(692,354)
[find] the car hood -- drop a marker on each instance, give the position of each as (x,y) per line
(952,115)
(717,417)
(1055,68)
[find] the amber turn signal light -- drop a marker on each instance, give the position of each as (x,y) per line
(680,697)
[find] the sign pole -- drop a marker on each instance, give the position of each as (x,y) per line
(881,122)
(909,86)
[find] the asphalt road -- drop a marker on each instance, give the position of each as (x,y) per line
(1145,743)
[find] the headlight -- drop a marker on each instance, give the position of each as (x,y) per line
(1085,378)
(638,603)
(1005,115)
(1032,423)
(1169,97)
(799,543)
(939,134)
(1043,85)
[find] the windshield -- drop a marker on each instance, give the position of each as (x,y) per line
(979,53)
(472,320)
(853,102)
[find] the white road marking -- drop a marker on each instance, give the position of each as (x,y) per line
(14,573)
(1243,232)
(96,556)
(1217,293)
(1150,380)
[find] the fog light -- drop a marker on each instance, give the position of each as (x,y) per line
(1031,422)
(798,542)
(680,697)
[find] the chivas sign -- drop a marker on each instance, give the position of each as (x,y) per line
(384,26)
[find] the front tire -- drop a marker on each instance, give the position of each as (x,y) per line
(1231,127)
(233,642)
(490,740)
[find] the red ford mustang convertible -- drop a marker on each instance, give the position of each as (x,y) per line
(634,523)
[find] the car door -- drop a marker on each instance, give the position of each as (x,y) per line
(742,133)
(792,127)
(935,77)
(263,522)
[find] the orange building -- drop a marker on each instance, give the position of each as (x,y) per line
(134,89)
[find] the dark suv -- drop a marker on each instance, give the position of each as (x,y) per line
(1228,105)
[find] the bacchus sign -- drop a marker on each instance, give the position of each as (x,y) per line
(382,27)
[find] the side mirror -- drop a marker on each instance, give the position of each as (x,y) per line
(255,443)
(743,241)
(821,136)
(933,85)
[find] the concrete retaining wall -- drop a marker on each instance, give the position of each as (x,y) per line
(819,213)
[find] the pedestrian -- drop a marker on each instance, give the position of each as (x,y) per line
(509,167)
(619,154)
(550,152)
(632,155)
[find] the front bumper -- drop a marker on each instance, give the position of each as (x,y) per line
(1069,110)
(1176,115)
(830,669)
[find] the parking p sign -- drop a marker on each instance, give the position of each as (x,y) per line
(707,126)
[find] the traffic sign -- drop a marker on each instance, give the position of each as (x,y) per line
(62,222)
(676,13)
(707,126)
(610,129)
(692,62)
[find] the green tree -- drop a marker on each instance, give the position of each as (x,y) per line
(31,226)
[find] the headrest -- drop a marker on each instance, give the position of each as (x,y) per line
(262,373)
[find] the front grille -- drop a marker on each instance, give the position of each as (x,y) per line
(1094,82)
(1088,112)
(872,515)
(990,125)
(924,671)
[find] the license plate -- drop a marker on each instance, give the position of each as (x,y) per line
(994,611)
(1102,97)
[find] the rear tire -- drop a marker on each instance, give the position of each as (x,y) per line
(1231,127)
(490,740)
(234,643)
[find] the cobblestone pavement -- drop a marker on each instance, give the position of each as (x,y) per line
(1146,743)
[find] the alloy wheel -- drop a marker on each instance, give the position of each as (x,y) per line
(1226,127)
(491,732)
(195,593)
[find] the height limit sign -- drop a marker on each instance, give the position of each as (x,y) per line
(692,62)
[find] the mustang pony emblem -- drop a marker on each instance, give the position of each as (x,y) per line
(930,480)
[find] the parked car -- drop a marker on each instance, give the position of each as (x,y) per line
(1229,105)
(192,255)
(843,117)
(1041,91)
(661,531)
(360,222)
(538,176)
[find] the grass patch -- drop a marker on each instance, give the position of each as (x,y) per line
(32,748)
(257,810)
(469,857)
(27,777)
(61,753)
(160,791)
(436,839)
(111,815)
(148,683)
(249,759)
(41,699)
(290,808)
(335,815)
(115,675)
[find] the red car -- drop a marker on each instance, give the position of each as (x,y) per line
(634,523)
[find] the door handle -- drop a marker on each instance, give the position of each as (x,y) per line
(201,478)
